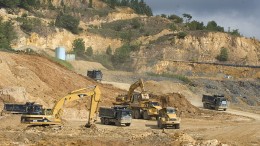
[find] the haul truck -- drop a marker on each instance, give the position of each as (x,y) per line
(168,118)
(215,102)
(117,115)
(18,108)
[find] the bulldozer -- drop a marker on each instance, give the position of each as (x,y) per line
(167,116)
(140,103)
(53,116)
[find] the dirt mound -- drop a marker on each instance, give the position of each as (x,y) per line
(33,78)
(178,101)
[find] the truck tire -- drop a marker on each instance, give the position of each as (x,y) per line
(224,109)
(177,126)
(160,125)
(137,114)
(117,123)
(127,124)
(204,105)
(106,121)
(133,114)
(102,120)
(146,116)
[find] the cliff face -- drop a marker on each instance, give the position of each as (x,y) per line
(199,47)
(65,39)
(205,48)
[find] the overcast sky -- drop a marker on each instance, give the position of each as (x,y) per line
(236,14)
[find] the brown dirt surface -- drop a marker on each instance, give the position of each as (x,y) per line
(183,106)
(34,78)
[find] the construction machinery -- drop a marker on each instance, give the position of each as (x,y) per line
(19,108)
(139,103)
(95,74)
(117,115)
(215,102)
(168,118)
(53,116)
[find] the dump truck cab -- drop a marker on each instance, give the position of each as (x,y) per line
(168,117)
(95,74)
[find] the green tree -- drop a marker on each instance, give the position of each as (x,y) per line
(163,15)
(187,16)
(7,34)
(235,32)
(121,55)
(90,5)
(175,18)
(212,26)
(9,3)
(68,22)
(109,50)
(195,25)
(89,51)
(223,56)
(78,46)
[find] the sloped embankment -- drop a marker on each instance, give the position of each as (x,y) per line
(34,78)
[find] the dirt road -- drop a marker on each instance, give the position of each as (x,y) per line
(241,129)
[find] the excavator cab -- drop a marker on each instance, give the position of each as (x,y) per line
(33,109)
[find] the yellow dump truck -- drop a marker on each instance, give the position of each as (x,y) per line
(168,118)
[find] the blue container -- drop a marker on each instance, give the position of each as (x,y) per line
(60,53)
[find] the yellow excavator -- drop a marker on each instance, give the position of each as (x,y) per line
(53,116)
(139,103)
(125,99)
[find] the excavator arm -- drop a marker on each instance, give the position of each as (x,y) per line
(135,85)
(126,99)
(55,117)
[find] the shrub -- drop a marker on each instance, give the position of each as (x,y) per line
(121,56)
(68,22)
(79,46)
(109,50)
(181,35)
(136,23)
(30,24)
(89,51)
(173,27)
(7,34)
(175,18)
(223,56)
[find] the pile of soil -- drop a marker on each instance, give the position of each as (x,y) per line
(33,78)
(183,106)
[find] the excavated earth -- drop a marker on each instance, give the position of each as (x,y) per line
(35,78)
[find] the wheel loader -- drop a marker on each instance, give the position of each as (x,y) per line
(53,116)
